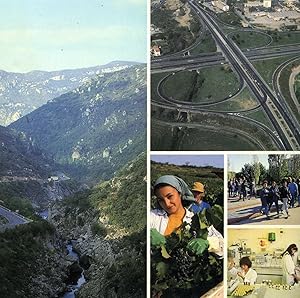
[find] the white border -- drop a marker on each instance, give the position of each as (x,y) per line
(225,224)
(148,133)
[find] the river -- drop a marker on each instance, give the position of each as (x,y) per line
(73,287)
(43,214)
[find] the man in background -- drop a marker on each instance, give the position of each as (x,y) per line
(265,199)
(199,194)
(293,188)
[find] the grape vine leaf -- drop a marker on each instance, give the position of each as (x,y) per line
(164,252)
(161,269)
(203,220)
(157,239)
(215,215)
(197,246)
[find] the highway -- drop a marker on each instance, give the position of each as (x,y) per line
(287,129)
(276,76)
(168,64)
(286,125)
(188,107)
(225,130)
(13,218)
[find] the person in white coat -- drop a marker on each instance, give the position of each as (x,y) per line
(288,266)
(247,274)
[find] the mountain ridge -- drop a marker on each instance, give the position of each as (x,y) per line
(101,122)
(21,93)
(109,64)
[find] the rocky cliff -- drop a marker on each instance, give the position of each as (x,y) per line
(33,262)
(22,93)
(95,129)
(108,223)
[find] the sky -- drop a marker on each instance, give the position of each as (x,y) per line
(237,161)
(55,35)
(196,160)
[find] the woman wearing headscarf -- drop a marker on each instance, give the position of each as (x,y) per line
(176,230)
(288,266)
(171,192)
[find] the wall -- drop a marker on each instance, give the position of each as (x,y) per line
(284,237)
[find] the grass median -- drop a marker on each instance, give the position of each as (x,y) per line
(204,85)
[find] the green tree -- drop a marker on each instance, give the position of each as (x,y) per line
(278,166)
(263,172)
(295,166)
(247,172)
(231,175)
(256,171)
(283,169)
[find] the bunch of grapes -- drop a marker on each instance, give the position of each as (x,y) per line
(182,264)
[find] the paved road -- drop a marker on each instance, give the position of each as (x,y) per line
(164,63)
(286,125)
(248,212)
(287,128)
(13,218)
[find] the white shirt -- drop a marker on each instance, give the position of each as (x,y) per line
(159,221)
(288,269)
(250,276)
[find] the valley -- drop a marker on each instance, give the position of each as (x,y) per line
(75,167)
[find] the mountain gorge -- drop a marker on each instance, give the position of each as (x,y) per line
(92,135)
(21,93)
(20,157)
(109,224)
(33,261)
(95,129)
(24,174)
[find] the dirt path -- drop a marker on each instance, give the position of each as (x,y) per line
(174,5)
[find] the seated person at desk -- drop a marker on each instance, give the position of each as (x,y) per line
(247,274)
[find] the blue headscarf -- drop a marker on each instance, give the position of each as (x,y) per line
(178,184)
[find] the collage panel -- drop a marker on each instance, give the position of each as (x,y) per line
(187,225)
(106,194)
(263,189)
(263,262)
(73,149)
(225,75)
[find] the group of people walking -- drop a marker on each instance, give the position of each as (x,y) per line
(241,187)
(283,196)
(287,193)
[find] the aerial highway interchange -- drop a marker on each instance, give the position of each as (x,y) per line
(286,129)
